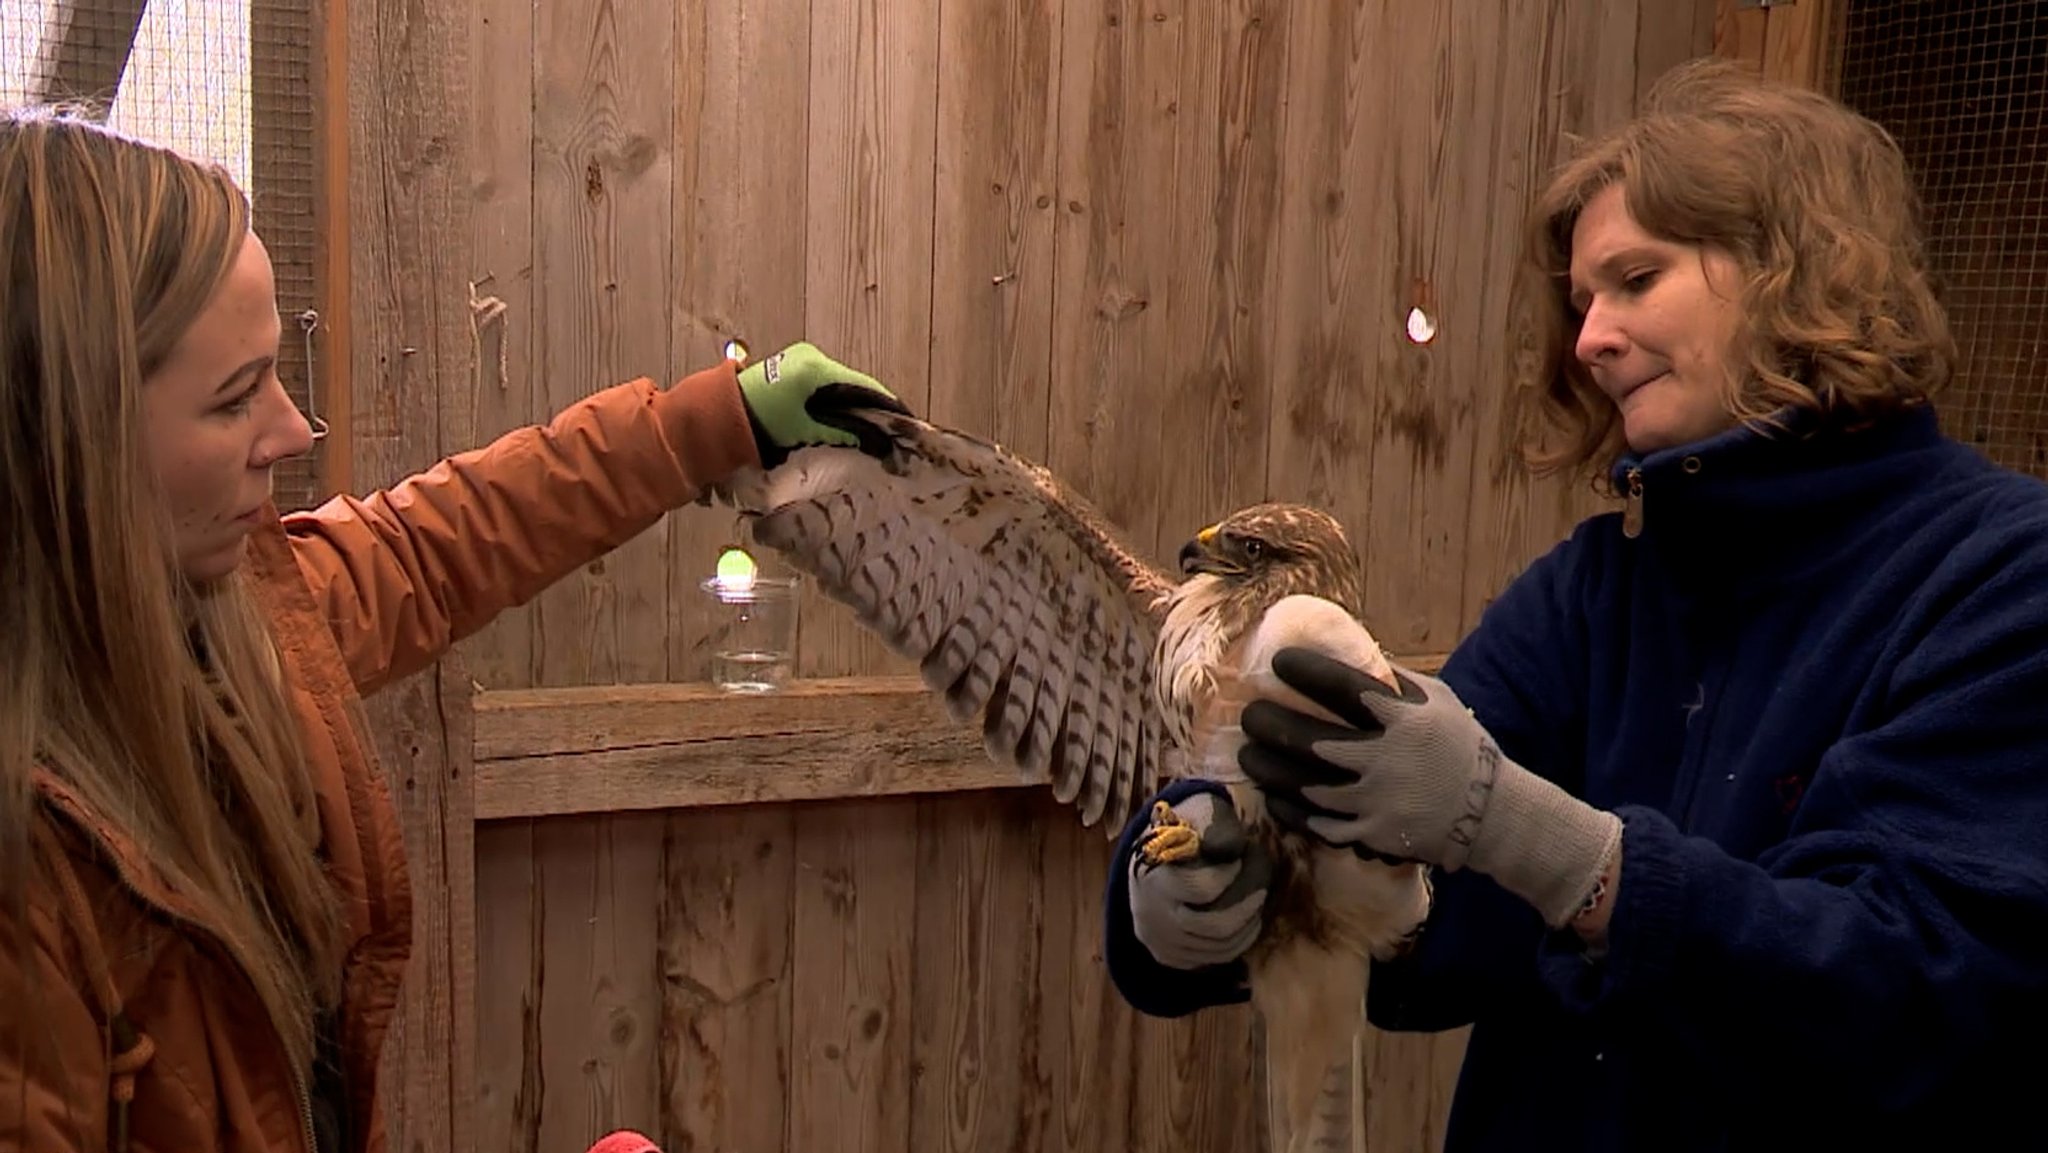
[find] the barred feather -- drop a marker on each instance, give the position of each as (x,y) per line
(1091,670)
(1023,608)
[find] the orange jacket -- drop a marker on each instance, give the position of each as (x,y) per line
(360,593)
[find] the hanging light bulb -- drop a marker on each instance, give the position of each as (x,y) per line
(736,572)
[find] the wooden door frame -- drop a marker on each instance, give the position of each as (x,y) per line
(1782,39)
(331,252)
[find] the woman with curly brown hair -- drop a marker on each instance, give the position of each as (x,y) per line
(1737,800)
(204,915)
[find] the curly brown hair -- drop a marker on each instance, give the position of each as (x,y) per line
(1815,205)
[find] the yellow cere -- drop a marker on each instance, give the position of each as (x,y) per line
(736,570)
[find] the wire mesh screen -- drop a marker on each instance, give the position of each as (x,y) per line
(226,80)
(1964,87)
(284,172)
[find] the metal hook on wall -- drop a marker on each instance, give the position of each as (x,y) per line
(309,320)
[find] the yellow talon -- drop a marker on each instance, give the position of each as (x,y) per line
(1169,839)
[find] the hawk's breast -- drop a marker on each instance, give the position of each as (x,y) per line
(1198,661)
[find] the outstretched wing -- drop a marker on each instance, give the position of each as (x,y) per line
(1017,599)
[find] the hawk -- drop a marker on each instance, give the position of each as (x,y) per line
(1103,675)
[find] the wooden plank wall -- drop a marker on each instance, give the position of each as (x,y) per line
(1784,41)
(1166,247)
(396,300)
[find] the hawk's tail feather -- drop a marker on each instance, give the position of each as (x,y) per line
(1311,1000)
(1330,1118)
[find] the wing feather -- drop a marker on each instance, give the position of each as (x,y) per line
(1016,691)
(1104,745)
(982,643)
(1076,729)
(1131,745)
(1056,683)
(1021,605)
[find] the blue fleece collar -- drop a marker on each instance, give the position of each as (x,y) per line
(1764,504)
(1791,442)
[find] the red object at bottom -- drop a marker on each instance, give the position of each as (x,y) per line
(624,1141)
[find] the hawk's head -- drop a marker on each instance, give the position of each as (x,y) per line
(1269,551)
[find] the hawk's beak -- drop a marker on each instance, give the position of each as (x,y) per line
(1197,556)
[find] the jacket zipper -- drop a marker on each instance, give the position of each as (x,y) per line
(1632,507)
(305,1097)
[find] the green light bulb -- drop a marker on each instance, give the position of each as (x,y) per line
(736,570)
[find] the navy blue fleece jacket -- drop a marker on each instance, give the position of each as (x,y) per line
(1815,689)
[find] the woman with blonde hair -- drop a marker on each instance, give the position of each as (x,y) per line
(204,915)
(1737,799)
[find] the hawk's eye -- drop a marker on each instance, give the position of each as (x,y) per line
(1254,547)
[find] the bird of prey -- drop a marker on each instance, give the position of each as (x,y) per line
(1095,671)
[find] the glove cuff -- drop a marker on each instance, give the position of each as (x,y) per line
(765,447)
(1543,844)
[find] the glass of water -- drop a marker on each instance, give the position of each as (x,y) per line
(753,632)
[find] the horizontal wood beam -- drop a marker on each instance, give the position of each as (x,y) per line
(621,747)
(618,748)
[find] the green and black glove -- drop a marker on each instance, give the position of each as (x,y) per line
(799,396)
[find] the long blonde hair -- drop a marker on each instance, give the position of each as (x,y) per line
(159,703)
(1816,206)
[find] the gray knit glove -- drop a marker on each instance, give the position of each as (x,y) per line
(1201,906)
(1416,776)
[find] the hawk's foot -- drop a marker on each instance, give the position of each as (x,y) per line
(1169,838)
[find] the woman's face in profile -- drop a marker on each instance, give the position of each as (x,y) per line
(217,419)
(1658,321)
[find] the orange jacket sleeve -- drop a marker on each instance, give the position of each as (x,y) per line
(54,1073)
(403,574)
